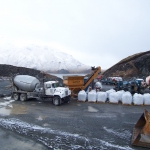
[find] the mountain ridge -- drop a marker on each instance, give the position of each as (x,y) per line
(41,58)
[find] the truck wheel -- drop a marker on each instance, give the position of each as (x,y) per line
(56,100)
(16,96)
(23,97)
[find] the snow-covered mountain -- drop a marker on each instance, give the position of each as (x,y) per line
(41,58)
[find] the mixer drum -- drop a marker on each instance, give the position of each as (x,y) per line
(26,82)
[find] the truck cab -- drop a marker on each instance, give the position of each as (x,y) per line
(59,94)
(50,87)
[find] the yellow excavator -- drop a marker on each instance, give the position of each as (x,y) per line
(76,83)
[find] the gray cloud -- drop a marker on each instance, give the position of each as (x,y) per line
(99,32)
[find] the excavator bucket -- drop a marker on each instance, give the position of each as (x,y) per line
(141,131)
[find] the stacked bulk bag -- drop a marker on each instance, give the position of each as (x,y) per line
(146,98)
(120,93)
(101,97)
(126,98)
(148,80)
(110,91)
(138,99)
(98,86)
(114,97)
(92,96)
(82,96)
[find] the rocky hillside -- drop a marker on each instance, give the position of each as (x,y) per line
(137,65)
(8,70)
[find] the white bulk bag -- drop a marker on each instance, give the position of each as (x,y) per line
(110,91)
(114,97)
(101,96)
(138,99)
(98,85)
(127,98)
(120,93)
(82,96)
(92,96)
(148,80)
(146,97)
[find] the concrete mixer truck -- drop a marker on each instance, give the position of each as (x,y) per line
(25,87)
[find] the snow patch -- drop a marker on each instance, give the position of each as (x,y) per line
(57,139)
(7,103)
(120,134)
(92,109)
(113,145)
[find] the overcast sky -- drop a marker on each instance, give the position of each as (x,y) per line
(95,32)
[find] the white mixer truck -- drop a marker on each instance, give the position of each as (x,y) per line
(25,87)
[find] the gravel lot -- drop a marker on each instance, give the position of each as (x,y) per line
(78,125)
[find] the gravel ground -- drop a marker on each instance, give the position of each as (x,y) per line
(78,125)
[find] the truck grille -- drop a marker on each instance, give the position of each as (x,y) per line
(66,92)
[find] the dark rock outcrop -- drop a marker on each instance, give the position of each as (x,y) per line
(137,65)
(8,70)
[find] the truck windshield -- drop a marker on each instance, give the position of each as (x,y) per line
(55,85)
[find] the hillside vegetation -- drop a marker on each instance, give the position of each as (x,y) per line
(137,65)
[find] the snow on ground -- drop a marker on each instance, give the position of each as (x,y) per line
(57,139)
(123,134)
(92,109)
(6,103)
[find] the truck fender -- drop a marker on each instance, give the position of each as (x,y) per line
(58,94)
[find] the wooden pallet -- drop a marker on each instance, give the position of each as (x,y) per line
(113,103)
(146,105)
(101,102)
(81,101)
(137,104)
(126,104)
(91,102)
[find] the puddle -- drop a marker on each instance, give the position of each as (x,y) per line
(7,103)
(92,109)
(21,142)
(4,111)
(14,109)
(18,109)
(7,107)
